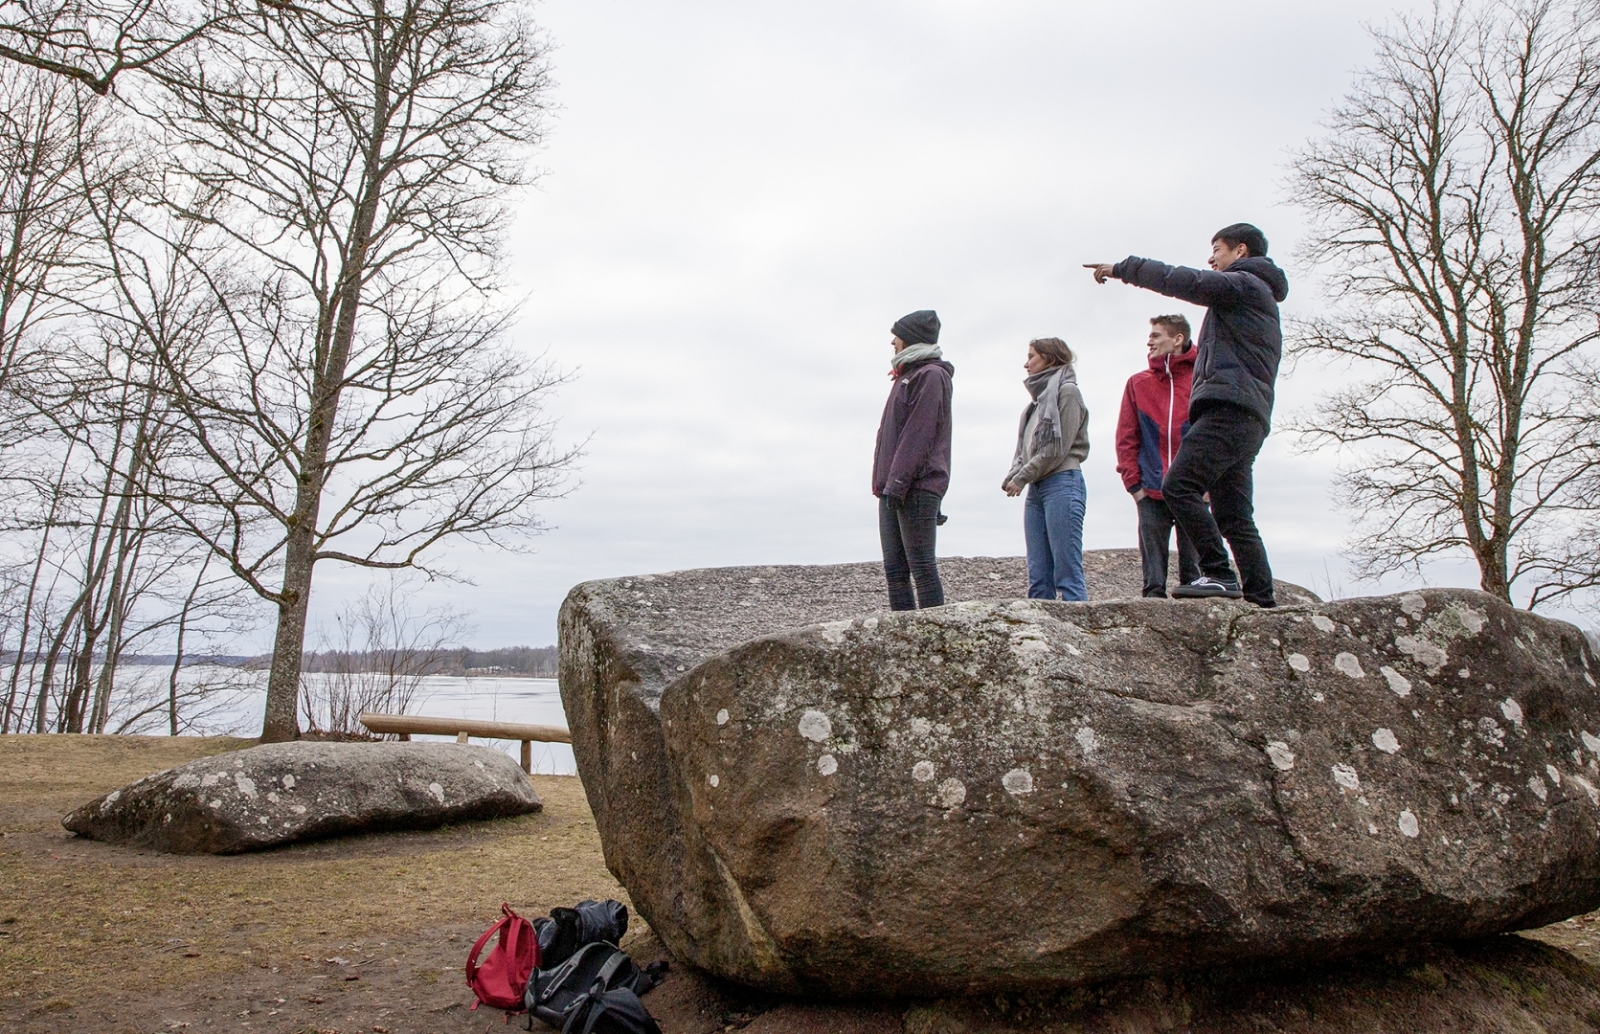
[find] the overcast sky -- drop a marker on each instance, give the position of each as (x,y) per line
(739,199)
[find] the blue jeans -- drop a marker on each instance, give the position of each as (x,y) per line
(1052,522)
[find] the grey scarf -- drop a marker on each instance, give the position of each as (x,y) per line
(1045,387)
(913,354)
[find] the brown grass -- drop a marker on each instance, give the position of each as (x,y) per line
(93,931)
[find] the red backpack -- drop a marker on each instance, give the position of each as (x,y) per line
(500,982)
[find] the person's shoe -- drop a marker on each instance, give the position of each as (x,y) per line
(1207,588)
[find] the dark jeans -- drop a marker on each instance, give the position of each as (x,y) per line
(907,530)
(1155,545)
(1217,453)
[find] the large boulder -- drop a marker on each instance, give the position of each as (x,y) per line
(1010,794)
(279,793)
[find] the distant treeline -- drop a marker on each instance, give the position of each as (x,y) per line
(528,661)
(509,660)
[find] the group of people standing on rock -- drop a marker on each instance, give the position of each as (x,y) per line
(1187,438)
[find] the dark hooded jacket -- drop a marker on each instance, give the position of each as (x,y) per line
(1241,340)
(914,436)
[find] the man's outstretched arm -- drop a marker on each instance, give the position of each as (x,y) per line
(1198,286)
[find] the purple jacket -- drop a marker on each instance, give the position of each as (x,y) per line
(914,435)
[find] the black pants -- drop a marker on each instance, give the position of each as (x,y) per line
(1216,456)
(1155,538)
(907,530)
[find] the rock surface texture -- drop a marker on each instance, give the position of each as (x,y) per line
(1006,794)
(281,793)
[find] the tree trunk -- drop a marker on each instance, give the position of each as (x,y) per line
(282,722)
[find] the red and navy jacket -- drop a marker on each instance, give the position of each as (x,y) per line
(1155,414)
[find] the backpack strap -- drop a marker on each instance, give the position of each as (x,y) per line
(563,973)
(472,956)
(650,977)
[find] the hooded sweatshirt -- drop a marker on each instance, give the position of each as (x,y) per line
(913,452)
(1033,463)
(1241,340)
(1155,413)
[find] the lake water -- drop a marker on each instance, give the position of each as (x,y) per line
(532,701)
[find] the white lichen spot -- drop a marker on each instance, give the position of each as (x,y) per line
(834,631)
(187,781)
(1086,739)
(1398,683)
(1554,773)
(1384,740)
(1537,786)
(298,809)
(1592,742)
(921,727)
(1408,824)
(869,624)
(272,795)
(247,786)
(1512,710)
(288,782)
(722,716)
(815,726)
(1401,622)
(1299,662)
(1346,777)
(1323,622)
(210,779)
(922,771)
(217,803)
(1423,652)
(714,780)
(1472,620)
(1028,642)
(1350,665)
(827,765)
(437,791)
(1587,787)
(1465,673)
(1280,754)
(951,793)
(1017,781)
(1413,604)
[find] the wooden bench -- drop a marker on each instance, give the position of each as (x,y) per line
(461,728)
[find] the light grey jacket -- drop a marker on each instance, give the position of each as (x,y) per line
(1032,463)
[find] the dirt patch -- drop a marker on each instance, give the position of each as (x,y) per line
(369,935)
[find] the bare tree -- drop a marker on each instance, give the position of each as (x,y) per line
(349,163)
(1454,202)
(92,42)
(376,654)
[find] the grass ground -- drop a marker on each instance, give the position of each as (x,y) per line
(369,934)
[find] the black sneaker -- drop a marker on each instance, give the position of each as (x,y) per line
(1206,588)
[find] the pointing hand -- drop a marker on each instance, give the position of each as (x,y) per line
(1102,270)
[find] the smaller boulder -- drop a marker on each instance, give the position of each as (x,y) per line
(281,793)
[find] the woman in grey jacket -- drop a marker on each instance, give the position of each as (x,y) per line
(1052,443)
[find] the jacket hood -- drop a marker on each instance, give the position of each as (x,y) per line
(1183,360)
(1265,269)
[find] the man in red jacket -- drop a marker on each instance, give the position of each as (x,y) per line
(1155,413)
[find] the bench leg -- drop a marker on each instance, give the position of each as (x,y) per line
(405,737)
(527,756)
(461,737)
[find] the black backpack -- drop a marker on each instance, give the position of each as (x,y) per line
(569,929)
(595,991)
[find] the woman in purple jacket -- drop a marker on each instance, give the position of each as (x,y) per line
(911,468)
